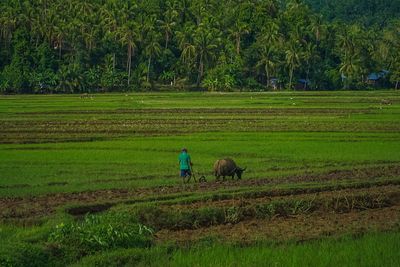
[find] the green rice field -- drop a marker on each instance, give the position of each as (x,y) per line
(93,180)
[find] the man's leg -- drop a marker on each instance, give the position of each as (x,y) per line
(182,175)
(188,175)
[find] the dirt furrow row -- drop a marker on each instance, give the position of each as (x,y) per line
(298,227)
(24,207)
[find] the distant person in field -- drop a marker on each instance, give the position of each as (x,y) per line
(185,163)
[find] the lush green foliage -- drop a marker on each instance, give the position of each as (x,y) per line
(372,249)
(124,257)
(378,13)
(69,240)
(96,233)
(86,46)
(369,250)
(21,254)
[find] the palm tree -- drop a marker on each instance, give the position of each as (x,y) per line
(128,35)
(268,42)
(84,9)
(59,34)
(393,60)
(188,53)
(206,41)
(309,56)
(153,48)
(182,7)
(70,78)
(168,24)
(109,23)
(293,57)
(8,23)
(351,44)
(185,39)
(198,47)
(318,28)
(349,68)
(267,60)
(199,10)
(395,75)
(46,28)
(237,31)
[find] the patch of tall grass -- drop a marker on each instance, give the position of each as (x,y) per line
(70,240)
(373,249)
(102,232)
(370,250)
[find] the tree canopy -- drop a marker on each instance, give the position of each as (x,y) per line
(49,46)
(378,13)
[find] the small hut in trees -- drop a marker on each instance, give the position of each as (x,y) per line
(376,78)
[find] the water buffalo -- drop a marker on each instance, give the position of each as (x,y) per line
(227,167)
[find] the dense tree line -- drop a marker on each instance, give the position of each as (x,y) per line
(114,45)
(378,13)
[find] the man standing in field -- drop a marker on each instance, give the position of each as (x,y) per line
(185,164)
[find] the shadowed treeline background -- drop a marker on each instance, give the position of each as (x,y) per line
(102,45)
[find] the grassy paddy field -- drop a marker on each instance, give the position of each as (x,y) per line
(93,181)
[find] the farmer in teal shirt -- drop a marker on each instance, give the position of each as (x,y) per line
(185,163)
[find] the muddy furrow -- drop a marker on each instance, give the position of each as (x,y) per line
(242,200)
(298,227)
(26,207)
(202,215)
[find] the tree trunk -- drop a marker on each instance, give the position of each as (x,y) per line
(148,69)
(129,62)
(166,40)
(307,75)
(113,62)
(201,69)
(347,83)
(397,85)
(59,50)
(344,80)
(290,78)
(267,73)
(238,44)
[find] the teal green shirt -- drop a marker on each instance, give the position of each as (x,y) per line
(184,161)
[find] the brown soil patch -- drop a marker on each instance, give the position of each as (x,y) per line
(391,190)
(299,227)
(25,207)
(82,210)
(356,173)
(22,208)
